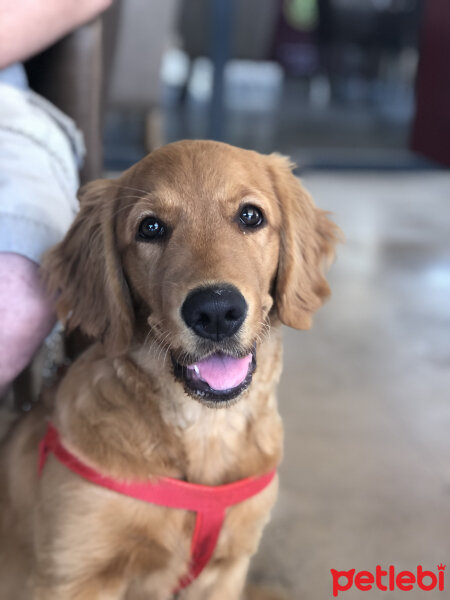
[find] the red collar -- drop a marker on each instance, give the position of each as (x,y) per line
(209,502)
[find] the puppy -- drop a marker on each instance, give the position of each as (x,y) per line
(182,270)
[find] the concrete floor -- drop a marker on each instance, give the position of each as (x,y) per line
(365,395)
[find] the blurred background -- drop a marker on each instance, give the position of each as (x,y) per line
(336,84)
(357,92)
(329,82)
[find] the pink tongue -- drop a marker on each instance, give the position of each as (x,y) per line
(221,372)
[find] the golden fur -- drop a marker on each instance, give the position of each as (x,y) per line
(119,407)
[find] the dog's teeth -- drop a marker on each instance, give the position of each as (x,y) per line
(196,370)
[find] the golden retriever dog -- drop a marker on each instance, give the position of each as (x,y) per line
(182,270)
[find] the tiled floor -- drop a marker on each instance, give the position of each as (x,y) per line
(366,395)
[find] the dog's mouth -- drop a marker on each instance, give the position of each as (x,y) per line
(218,378)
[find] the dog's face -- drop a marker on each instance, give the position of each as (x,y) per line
(193,252)
(200,252)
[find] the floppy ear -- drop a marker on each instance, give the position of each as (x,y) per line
(307,241)
(85,272)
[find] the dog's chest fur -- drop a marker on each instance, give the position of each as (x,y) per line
(178,438)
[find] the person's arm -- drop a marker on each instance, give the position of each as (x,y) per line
(28,26)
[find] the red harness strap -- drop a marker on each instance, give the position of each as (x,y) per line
(209,502)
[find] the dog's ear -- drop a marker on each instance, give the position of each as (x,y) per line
(307,241)
(84,271)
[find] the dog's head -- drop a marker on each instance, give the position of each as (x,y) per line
(194,252)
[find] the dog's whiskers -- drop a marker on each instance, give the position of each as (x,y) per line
(159,343)
(129,187)
(126,206)
(164,346)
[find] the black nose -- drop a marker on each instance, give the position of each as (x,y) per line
(214,312)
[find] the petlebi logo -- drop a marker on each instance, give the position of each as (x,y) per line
(388,579)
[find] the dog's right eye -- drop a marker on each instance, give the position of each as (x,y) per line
(151,229)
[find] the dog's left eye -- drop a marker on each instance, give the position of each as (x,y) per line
(151,229)
(250,216)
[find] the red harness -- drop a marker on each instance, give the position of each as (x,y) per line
(209,502)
